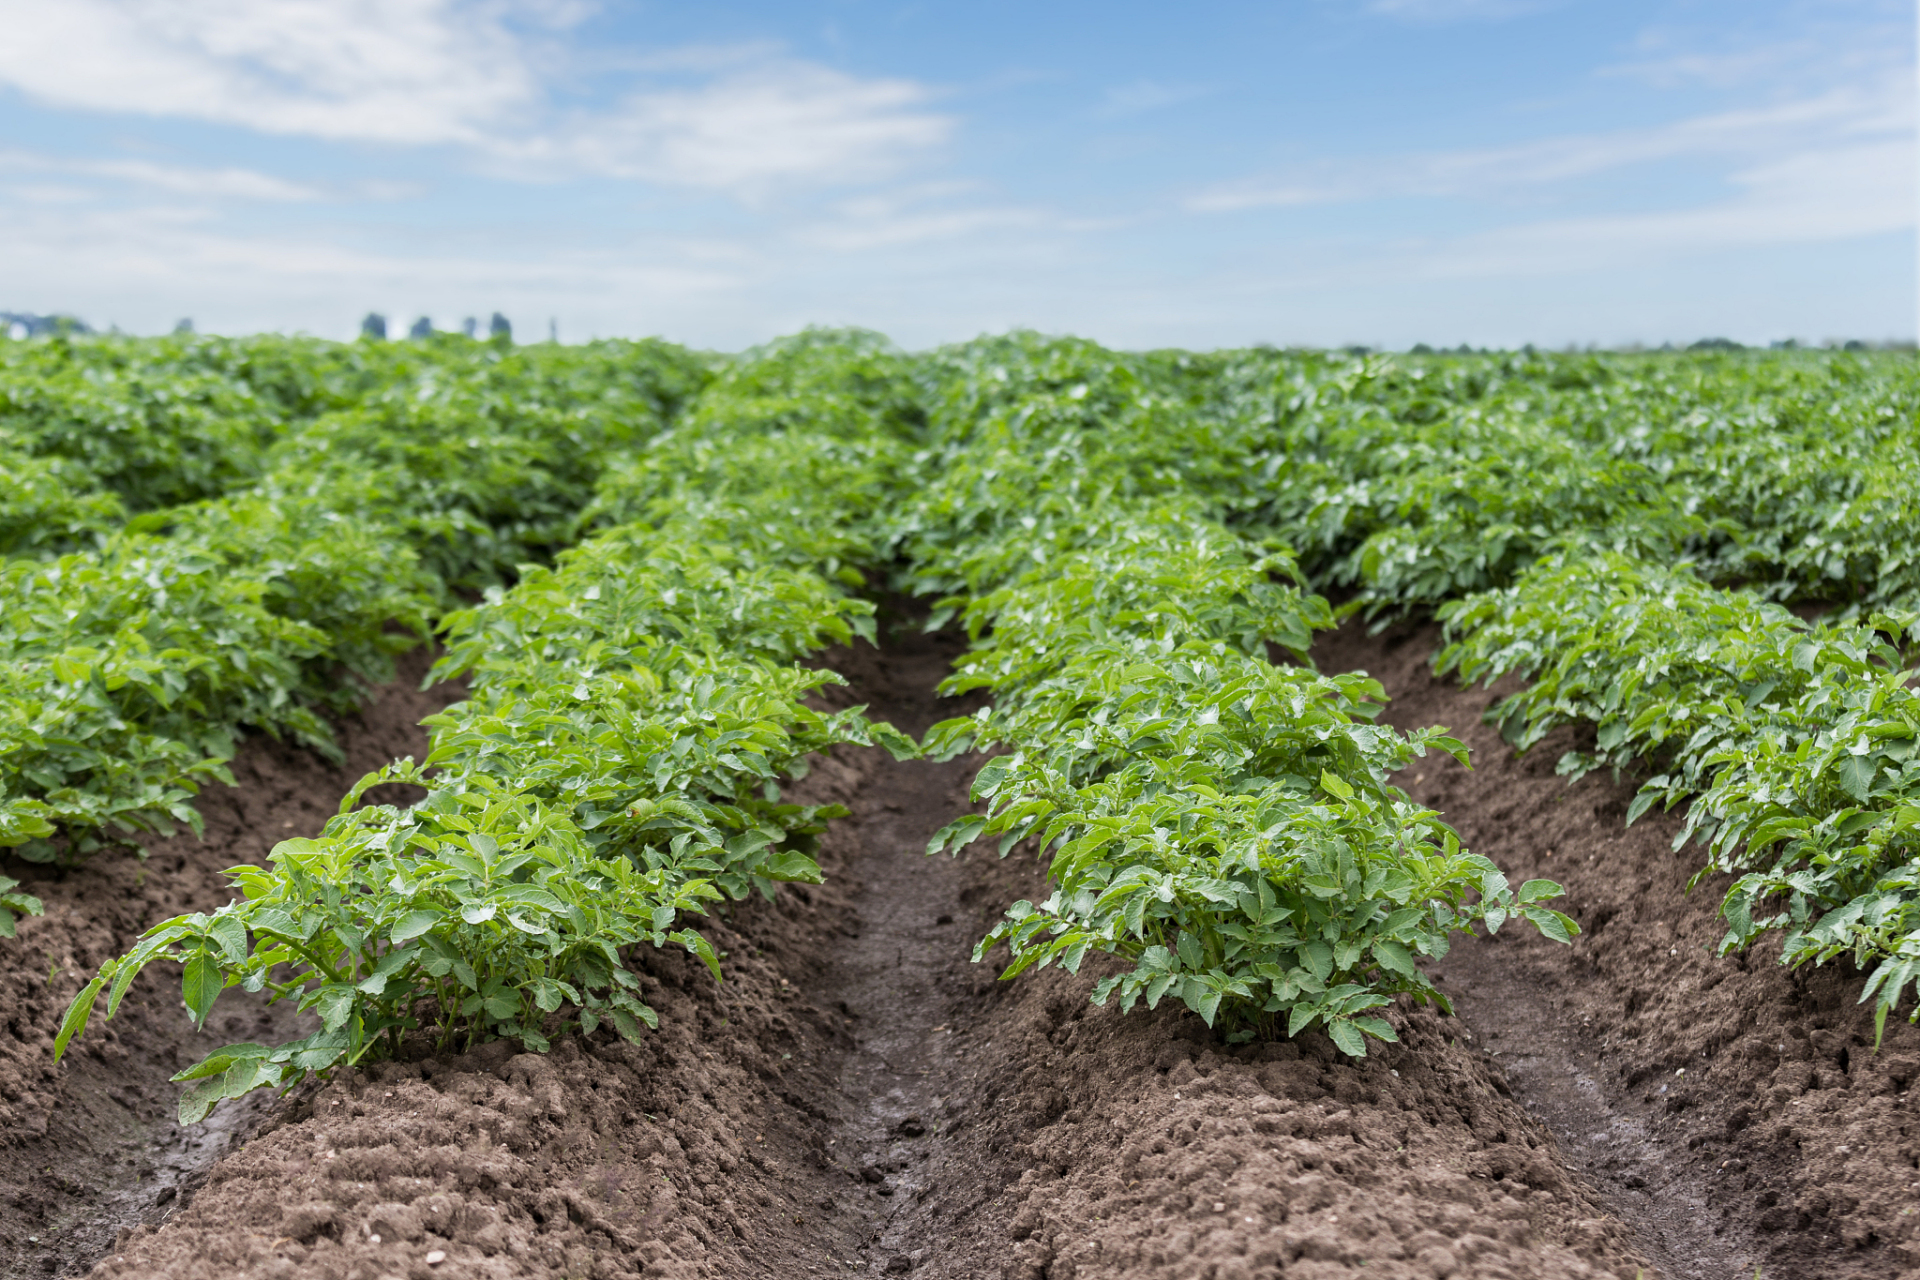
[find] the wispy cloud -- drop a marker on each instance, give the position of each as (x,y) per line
(772,122)
(942,212)
(1142,96)
(407,71)
(470,74)
(220,183)
(1875,109)
(1813,196)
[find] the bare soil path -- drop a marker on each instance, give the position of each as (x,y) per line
(900,978)
(90,1147)
(1733,1111)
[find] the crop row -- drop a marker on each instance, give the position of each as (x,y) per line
(314,548)
(1415,481)
(1797,744)
(1222,823)
(1132,542)
(634,712)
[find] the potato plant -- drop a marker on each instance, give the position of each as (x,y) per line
(1794,742)
(370,484)
(14,905)
(126,672)
(478,913)
(635,710)
(1222,823)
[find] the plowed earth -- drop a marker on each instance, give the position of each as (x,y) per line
(89,1146)
(858,1097)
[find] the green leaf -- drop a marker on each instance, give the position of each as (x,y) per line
(412,925)
(200,985)
(1394,957)
(1856,776)
(1347,1038)
(81,1009)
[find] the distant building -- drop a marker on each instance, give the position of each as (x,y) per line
(499,328)
(470,326)
(422,328)
(374,326)
(25,324)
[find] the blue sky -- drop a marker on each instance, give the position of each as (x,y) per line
(1300,171)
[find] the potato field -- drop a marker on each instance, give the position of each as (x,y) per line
(1015,810)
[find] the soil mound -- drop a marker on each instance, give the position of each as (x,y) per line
(89,1145)
(1733,1110)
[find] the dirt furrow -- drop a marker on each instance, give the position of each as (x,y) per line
(1734,1112)
(89,1147)
(858,1097)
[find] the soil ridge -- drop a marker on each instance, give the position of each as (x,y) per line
(89,1146)
(1730,1109)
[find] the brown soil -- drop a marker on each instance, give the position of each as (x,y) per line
(89,1146)
(859,1097)
(1733,1110)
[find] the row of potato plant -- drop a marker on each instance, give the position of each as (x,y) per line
(1223,823)
(1416,480)
(128,668)
(1796,743)
(634,712)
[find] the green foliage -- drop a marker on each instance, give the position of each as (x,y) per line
(634,712)
(476,914)
(1417,481)
(649,684)
(486,467)
(127,669)
(1221,822)
(1034,438)
(124,673)
(1130,539)
(147,430)
(1795,742)
(48,506)
(14,905)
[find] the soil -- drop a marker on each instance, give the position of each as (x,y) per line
(858,1096)
(1733,1110)
(89,1146)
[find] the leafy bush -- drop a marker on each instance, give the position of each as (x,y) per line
(128,669)
(1417,481)
(125,673)
(149,431)
(1795,742)
(634,711)
(48,506)
(1223,823)
(477,913)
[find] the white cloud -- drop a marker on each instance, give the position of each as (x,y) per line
(222,183)
(462,73)
(408,71)
(777,121)
(1753,135)
(1834,194)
